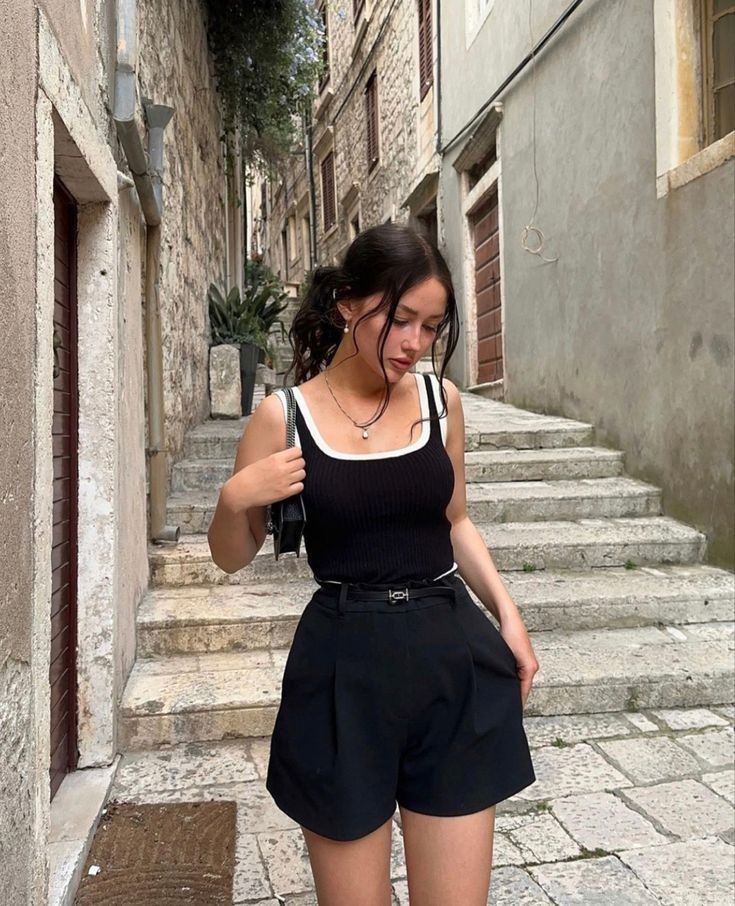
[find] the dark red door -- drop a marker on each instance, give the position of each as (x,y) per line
(62,674)
(487,291)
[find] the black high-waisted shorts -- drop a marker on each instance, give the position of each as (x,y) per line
(416,702)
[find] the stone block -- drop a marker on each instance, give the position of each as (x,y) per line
(224,381)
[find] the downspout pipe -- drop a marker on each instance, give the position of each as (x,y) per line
(146,171)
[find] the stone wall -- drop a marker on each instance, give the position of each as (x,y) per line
(175,69)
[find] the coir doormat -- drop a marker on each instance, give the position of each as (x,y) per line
(160,854)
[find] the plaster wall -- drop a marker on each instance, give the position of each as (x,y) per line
(55,118)
(632,328)
(23,817)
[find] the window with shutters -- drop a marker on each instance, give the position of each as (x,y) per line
(371,118)
(694,72)
(426,57)
(718,68)
(328,192)
(324,81)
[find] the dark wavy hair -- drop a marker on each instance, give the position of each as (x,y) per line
(390,258)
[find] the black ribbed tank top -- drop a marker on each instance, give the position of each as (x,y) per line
(378,518)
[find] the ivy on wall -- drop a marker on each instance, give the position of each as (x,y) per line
(268,60)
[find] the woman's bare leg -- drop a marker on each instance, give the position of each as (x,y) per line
(351,871)
(448,860)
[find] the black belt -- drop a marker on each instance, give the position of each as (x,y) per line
(392,595)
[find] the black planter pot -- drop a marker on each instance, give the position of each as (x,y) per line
(249,358)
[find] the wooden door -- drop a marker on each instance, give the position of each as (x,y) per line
(487,290)
(62,673)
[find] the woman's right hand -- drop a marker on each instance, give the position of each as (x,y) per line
(267,480)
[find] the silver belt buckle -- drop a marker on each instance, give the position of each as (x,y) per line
(400,594)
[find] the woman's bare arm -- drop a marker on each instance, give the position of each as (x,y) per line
(237,530)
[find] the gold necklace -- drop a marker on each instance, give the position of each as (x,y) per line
(363,427)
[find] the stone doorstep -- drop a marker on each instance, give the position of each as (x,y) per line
(496,502)
(550,544)
(223,695)
(75,813)
(223,618)
(221,437)
(566,463)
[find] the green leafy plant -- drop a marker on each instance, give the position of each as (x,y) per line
(268,57)
(250,317)
(232,321)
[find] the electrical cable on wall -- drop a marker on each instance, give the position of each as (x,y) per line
(529,228)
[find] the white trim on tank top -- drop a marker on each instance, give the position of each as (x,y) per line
(336,454)
(319,440)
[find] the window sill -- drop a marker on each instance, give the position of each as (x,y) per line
(698,164)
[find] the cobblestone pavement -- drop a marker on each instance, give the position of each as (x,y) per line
(629,809)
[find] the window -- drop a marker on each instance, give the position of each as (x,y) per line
(371,115)
(426,57)
(325,47)
(328,193)
(305,243)
(718,69)
(284,254)
(292,240)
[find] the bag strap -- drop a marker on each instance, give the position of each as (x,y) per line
(290,417)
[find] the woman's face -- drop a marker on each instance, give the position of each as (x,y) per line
(416,319)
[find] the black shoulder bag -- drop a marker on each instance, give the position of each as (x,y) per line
(285,519)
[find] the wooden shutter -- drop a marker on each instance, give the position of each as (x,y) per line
(426,68)
(62,670)
(328,194)
(371,110)
(325,47)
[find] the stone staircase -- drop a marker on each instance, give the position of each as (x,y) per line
(622,610)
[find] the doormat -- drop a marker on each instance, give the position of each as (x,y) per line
(151,855)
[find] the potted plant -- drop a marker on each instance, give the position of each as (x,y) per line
(245,322)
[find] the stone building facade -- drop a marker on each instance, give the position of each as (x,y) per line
(376,40)
(569,164)
(73,382)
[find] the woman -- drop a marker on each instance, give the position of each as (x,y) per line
(396,686)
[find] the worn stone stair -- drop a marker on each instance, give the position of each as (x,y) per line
(622,610)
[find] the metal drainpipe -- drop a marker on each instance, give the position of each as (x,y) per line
(149,187)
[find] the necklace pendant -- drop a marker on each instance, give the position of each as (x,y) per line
(364,433)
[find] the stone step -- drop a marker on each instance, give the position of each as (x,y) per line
(567,463)
(488,425)
(189,698)
(553,544)
(490,501)
(222,618)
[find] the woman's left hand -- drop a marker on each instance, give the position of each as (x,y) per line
(515,635)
